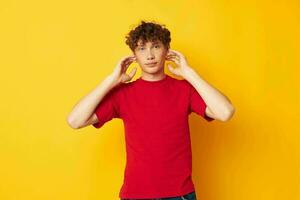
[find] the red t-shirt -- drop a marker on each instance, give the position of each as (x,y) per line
(158,146)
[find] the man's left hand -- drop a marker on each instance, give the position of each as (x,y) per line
(182,65)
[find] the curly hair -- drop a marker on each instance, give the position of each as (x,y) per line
(148,31)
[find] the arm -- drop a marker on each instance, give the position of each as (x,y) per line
(82,113)
(218,105)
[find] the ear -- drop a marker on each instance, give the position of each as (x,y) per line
(167,52)
(134,56)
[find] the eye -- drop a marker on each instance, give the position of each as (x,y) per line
(157,46)
(141,48)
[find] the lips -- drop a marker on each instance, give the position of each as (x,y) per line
(151,63)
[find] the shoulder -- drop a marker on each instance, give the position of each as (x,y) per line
(180,86)
(122,87)
(115,91)
(182,83)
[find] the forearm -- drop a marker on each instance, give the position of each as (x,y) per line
(83,110)
(217,102)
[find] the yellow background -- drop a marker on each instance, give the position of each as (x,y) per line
(52,53)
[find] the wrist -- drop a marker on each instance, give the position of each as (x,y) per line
(188,71)
(113,80)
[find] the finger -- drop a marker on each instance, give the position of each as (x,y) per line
(172,57)
(170,53)
(175,59)
(125,65)
(123,62)
(132,72)
(129,60)
(170,68)
(125,58)
(178,53)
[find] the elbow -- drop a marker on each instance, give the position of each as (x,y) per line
(227,114)
(72,124)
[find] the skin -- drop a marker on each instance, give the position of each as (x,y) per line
(144,54)
(151,52)
(218,105)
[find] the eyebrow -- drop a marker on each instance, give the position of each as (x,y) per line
(143,44)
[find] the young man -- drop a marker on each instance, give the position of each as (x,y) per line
(155,110)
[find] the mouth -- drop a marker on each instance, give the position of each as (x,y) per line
(153,63)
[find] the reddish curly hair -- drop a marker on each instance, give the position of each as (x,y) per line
(148,31)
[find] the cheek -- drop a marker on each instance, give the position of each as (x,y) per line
(162,56)
(138,59)
(139,56)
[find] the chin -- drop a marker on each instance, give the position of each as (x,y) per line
(153,70)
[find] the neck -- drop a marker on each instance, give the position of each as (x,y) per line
(153,77)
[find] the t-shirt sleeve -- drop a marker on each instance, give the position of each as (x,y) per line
(197,104)
(108,108)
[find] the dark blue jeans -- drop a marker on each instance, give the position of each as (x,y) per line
(189,196)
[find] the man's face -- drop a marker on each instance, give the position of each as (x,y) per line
(148,53)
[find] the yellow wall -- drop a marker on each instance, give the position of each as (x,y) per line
(52,53)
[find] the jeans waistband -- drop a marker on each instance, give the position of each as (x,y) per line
(191,195)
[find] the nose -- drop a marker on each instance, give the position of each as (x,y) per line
(150,55)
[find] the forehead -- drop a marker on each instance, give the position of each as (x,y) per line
(140,42)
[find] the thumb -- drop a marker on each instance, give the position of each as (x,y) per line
(132,72)
(170,67)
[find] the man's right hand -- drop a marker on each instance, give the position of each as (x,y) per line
(119,73)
